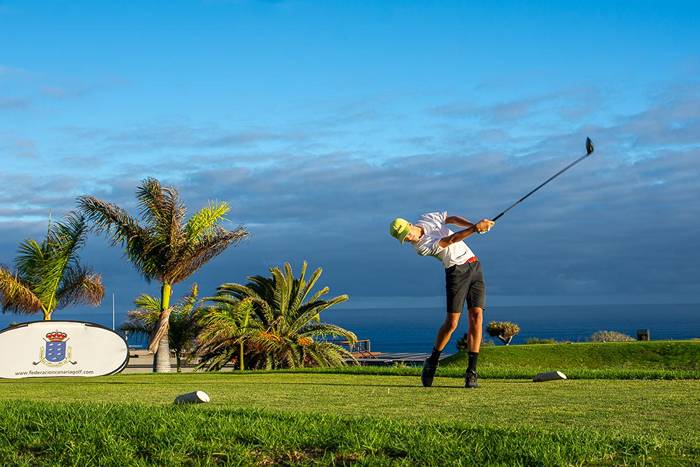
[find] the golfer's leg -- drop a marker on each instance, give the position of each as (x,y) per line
(456,288)
(476,298)
(446,330)
(455,293)
(443,337)
(476,319)
(441,340)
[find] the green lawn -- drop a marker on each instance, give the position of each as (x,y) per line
(623,360)
(309,417)
(654,355)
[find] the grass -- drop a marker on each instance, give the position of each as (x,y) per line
(623,360)
(654,355)
(590,360)
(182,436)
(292,418)
(629,403)
(453,369)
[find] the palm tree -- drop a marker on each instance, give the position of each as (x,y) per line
(288,332)
(48,275)
(227,328)
(182,328)
(165,248)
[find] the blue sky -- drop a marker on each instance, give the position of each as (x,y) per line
(321,121)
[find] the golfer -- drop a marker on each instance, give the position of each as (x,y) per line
(464,281)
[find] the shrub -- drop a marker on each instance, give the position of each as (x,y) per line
(462,343)
(538,340)
(503,330)
(610,336)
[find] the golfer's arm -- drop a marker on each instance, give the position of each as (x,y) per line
(456,237)
(458,220)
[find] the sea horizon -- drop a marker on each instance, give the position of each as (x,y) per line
(412,329)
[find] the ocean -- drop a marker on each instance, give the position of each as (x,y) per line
(413,329)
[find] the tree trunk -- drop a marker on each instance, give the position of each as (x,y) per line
(177,356)
(161,360)
(161,343)
(242,366)
(505,340)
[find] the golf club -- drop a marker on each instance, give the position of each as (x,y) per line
(589,151)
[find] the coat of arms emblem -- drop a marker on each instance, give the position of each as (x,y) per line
(56,352)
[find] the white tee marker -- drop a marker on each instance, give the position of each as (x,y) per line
(196,397)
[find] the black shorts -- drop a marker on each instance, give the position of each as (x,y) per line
(464,282)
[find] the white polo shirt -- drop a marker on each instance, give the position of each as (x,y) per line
(434,229)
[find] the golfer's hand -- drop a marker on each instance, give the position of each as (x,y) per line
(484,226)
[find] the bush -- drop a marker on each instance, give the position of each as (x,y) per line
(538,340)
(503,330)
(462,343)
(610,336)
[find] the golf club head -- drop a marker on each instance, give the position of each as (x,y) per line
(589,147)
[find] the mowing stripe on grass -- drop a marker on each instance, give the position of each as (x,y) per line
(132,434)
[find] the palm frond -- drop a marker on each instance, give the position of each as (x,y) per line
(63,241)
(149,303)
(68,235)
(299,289)
(320,293)
(151,200)
(225,299)
(313,309)
(282,289)
(189,301)
(236,290)
(223,328)
(216,329)
(202,224)
(327,329)
(79,286)
(30,261)
(191,260)
(124,230)
(164,213)
(334,354)
(170,228)
(263,286)
(16,296)
(141,321)
(252,291)
(303,293)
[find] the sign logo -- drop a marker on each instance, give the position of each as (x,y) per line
(57,352)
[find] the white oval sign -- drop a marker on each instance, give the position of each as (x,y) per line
(61,348)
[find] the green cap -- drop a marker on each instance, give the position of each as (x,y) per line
(399,228)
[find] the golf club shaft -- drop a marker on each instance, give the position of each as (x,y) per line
(541,185)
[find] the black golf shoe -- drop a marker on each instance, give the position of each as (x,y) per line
(470,380)
(426,377)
